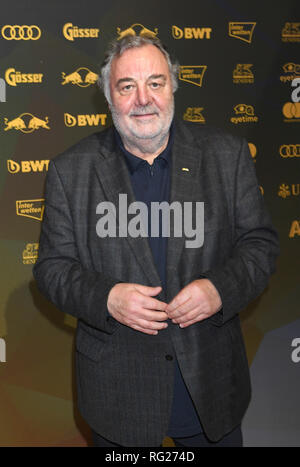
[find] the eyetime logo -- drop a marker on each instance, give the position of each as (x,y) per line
(33,208)
(292,71)
(246,112)
(294,229)
(285,191)
(85,120)
(136,29)
(295,355)
(194,114)
(30,254)
(242,30)
(71,32)
(14,167)
(18,33)
(82,77)
(192,74)
(290,32)
(13,77)
(2,350)
(289,150)
(242,74)
(26,122)
(191,33)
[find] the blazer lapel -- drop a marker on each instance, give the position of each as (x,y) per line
(185,187)
(114,177)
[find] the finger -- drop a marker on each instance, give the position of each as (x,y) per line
(153,325)
(153,304)
(177,301)
(150,315)
(144,330)
(191,314)
(183,309)
(145,290)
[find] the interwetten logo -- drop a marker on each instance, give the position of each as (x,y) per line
(82,77)
(85,120)
(295,229)
(133,220)
(18,33)
(194,114)
(192,74)
(242,31)
(2,351)
(191,33)
(292,71)
(136,29)
(243,74)
(13,77)
(247,114)
(289,150)
(27,166)
(71,32)
(30,254)
(33,208)
(291,32)
(285,191)
(27,123)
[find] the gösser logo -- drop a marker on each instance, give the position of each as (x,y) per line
(71,32)
(14,77)
(18,33)
(28,125)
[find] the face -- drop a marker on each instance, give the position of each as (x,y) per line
(141,93)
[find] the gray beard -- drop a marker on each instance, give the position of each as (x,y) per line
(145,145)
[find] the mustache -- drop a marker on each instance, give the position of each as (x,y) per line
(144,110)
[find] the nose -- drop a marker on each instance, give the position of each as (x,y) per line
(143,96)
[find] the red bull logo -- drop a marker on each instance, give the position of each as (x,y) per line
(136,30)
(27,123)
(82,77)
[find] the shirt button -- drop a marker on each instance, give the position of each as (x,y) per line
(169,357)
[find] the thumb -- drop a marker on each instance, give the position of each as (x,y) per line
(149,291)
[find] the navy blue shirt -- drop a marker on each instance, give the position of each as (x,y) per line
(152,183)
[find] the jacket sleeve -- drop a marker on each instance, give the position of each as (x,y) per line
(58,271)
(245,274)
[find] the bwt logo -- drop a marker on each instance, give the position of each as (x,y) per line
(295,355)
(2,351)
(2,90)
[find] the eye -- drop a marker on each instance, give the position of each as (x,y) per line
(155,85)
(125,89)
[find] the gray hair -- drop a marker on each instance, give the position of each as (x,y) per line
(118,47)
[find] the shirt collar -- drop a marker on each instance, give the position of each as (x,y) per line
(134,162)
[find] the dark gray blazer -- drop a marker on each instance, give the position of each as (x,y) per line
(125,377)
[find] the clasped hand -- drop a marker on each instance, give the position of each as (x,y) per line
(135,305)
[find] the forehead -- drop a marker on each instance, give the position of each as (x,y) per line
(139,62)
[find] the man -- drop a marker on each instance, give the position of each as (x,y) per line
(159,345)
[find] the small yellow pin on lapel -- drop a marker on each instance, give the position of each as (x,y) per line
(185,169)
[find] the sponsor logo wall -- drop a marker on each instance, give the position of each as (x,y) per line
(239,70)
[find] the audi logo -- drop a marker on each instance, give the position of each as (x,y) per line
(18,33)
(289,150)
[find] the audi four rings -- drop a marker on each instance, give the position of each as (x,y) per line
(18,33)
